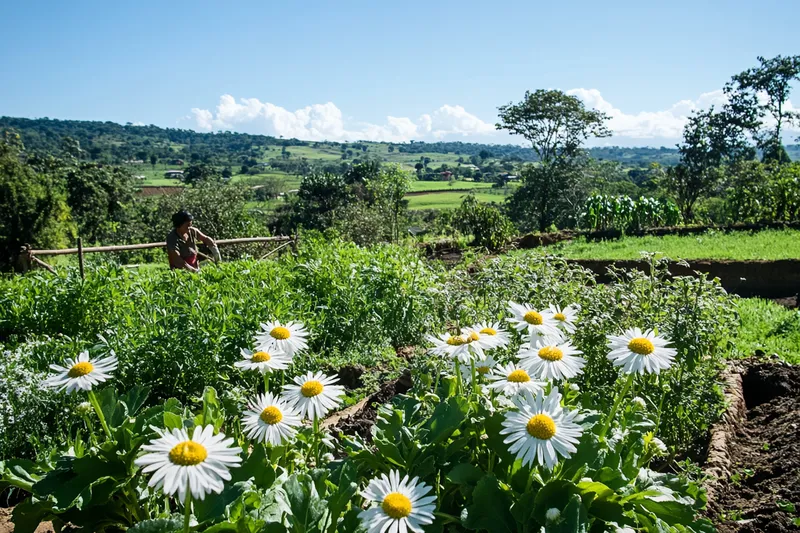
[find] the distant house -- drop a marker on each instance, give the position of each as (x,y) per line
(512,177)
(176,162)
(134,162)
(140,177)
(174,174)
(470,167)
(446,175)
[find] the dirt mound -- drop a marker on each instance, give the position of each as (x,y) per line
(764,485)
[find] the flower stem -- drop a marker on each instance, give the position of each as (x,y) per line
(96,404)
(613,412)
(472,371)
(188,511)
(266,382)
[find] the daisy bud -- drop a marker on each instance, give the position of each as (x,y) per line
(574,387)
(84,408)
(327,458)
(552,514)
(639,403)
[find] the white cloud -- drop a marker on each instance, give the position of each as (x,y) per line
(326,122)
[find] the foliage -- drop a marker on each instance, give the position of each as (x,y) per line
(556,124)
(33,208)
(626,214)
(549,195)
(196,174)
(758,192)
(388,189)
(764,91)
(488,225)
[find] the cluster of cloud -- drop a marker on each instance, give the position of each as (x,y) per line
(326,121)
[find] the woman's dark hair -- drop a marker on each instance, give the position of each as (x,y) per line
(181,217)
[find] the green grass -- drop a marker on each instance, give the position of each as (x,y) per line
(766,245)
(445,185)
(449,200)
(768,327)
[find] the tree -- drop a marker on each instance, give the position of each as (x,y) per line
(141,155)
(761,91)
(389,189)
(195,174)
(33,208)
(153,160)
(391,148)
(556,124)
(710,139)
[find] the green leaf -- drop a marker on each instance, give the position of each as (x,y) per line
(343,495)
(523,509)
(556,493)
(159,525)
(308,509)
(465,474)
(28,515)
(215,506)
(135,398)
(257,468)
(20,473)
(446,418)
(490,508)
(74,475)
(172,421)
(573,518)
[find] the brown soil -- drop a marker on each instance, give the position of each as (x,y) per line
(359,419)
(765,455)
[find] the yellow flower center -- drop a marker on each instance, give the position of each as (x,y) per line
(532,317)
(488,331)
(551,353)
(81,369)
(396,505)
(482,369)
(458,340)
(473,336)
(311,388)
(641,345)
(519,376)
(188,453)
(261,357)
(541,427)
(561,317)
(271,415)
(280,333)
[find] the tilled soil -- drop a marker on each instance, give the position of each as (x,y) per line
(765,455)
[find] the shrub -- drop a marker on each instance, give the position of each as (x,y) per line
(489,227)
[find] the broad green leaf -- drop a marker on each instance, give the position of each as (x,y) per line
(446,418)
(465,474)
(135,398)
(556,493)
(28,515)
(73,476)
(573,518)
(308,509)
(490,508)
(215,506)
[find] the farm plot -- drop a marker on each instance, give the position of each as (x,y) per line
(519,416)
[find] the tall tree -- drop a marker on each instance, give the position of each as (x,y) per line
(761,92)
(555,123)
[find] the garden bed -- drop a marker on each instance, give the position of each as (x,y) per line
(758,488)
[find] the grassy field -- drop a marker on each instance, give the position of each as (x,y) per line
(770,328)
(446,186)
(767,245)
(448,200)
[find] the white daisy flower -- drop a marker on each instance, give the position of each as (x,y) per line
(541,430)
(564,317)
(403,505)
(453,346)
(510,379)
(262,361)
(289,338)
(314,394)
(493,330)
(81,373)
(482,369)
(642,352)
(528,319)
(198,464)
(270,419)
(551,360)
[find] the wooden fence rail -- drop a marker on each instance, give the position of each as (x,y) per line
(28,257)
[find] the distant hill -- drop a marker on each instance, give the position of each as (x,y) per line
(117,143)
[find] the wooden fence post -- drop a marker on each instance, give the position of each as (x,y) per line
(80,257)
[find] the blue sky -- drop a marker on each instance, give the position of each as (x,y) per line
(380,70)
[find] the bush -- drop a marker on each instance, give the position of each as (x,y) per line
(488,225)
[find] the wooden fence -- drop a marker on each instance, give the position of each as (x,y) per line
(29,258)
